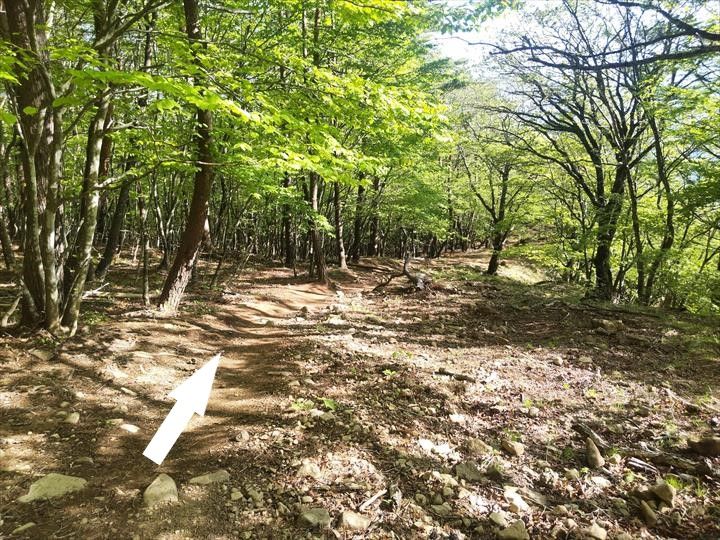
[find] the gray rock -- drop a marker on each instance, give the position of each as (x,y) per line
(254,494)
(648,514)
(219,476)
(53,485)
(468,470)
(592,454)
(441,510)
(352,521)
(22,528)
(595,531)
(516,531)
(309,469)
(665,492)
(72,418)
(499,519)
(513,448)
(314,518)
(476,447)
(162,490)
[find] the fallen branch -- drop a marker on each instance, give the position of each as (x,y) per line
(456,376)
(420,281)
(6,316)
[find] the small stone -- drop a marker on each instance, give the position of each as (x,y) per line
(127,391)
(499,519)
(64,404)
(236,495)
(592,454)
(665,492)
(708,446)
(130,428)
(309,469)
(314,518)
(513,448)
(352,521)
(211,478)
(306,499)
(53,485)
(243,436)
(595,531)
(22,528)
(421,499)
(615,459)
(162,490)
(254,494)
(533,412)
(572,474)
(468,470)
(86,460)
(476,447)
(441,510)
(516,531)
(72,418)
(623,536)
(648,514)
(517,503)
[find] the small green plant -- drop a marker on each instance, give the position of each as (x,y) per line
(568,453)
(302,404)
(389,372)
(330,404)
(397,355)
(591,393)
(91,318)
(528,403)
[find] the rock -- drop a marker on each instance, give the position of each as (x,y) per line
(352,521)
(499,519)
(595,531)
(236,495)
(254,494)
(665,492)
(130,428)
(708,446)
(86,460)
(72,418)
(623,536)
(441,510)
(572,474)
(592,454)
(648,514)
(516,531)
(22,528)
(468,470)
(162,490)
(421,499)
(517,503)
(314,518)
(243,436)
(476,447)
(533,412)
(309,469)
(513,448)
(211,478)
(53,485)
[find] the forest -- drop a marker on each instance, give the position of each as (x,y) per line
(440,269)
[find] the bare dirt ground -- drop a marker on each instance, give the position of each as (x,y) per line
(446,414)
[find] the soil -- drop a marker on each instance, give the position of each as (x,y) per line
(384,391)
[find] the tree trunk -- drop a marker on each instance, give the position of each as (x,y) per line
(113,241)
(498,243)
(319,265)
(182,267)
(339,243)
(356,244)
(288,237)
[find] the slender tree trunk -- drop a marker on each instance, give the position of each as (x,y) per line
(113,241)
(182,267)
(356,244)
(339,243)
(607,219)
(289,249)
(319,264)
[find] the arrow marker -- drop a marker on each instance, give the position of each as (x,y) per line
(190,397)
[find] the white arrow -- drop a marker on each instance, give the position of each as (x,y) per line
(190,397)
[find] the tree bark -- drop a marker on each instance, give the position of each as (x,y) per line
(339,243)
(184,262)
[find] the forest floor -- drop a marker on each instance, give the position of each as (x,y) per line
(444,414)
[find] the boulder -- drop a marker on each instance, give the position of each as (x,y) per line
(53,485)
(162,490)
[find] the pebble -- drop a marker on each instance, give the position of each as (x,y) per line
(441,510)
(309,469)
(352,521)
(72,418)
(499,519)
(665,492)
(218,476)
(314,518)
(516,531)
(468,470)
(595,531)
(513,448)
(476,447)
(23,528)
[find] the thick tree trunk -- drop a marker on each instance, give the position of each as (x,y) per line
(182,267)
(607,219)
(319,265)
(339,242)
(498,242)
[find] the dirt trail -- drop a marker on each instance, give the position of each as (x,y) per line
(324,400)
